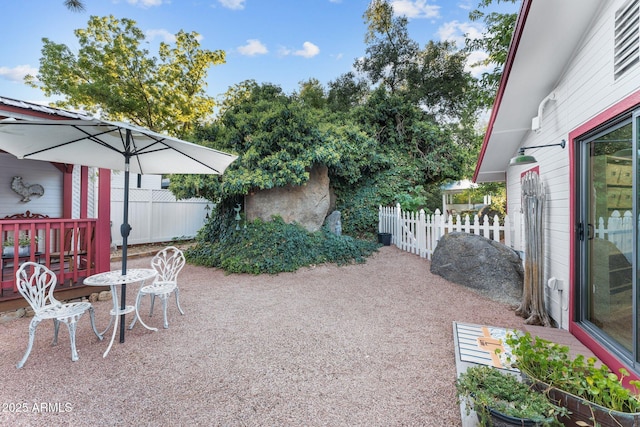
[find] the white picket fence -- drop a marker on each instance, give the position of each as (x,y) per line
(418,233)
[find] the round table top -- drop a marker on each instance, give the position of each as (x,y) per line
(115,277)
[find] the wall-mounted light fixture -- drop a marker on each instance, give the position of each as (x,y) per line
(523,159)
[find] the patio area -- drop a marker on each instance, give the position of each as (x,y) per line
(361,345)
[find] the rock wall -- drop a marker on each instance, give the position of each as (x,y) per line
(306,205)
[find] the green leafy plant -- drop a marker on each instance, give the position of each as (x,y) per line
(275,246)
(551,364)
(484,388)
(23,240)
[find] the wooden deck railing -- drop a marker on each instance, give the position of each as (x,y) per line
(66,246)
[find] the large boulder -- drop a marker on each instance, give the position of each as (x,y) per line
(334,223)
(489,267)
(306,205)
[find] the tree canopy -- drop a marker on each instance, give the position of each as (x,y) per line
(390,131)
(114,75)
(495,42)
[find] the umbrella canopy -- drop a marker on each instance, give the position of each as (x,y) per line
(107,145)
(110,145)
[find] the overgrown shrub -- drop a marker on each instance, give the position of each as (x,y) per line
(274,247)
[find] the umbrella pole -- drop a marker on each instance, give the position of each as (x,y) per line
(125,228)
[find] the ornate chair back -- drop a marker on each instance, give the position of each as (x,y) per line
(36,284)
(168,263)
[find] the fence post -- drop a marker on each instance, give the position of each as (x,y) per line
(496,228)
(397,227)
(485,226)
(422,235)
(507,231)
(438,230)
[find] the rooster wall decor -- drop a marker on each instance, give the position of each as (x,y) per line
(25,190)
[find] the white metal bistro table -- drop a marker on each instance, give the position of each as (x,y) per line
(113,279)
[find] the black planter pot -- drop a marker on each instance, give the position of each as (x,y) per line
(384,238)
(501,420)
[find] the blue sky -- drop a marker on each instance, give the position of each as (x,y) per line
(277,41)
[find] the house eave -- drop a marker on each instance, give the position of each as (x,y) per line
(545,39)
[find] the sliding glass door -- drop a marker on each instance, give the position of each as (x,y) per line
(608,235)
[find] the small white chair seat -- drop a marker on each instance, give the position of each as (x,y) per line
(64,311)
(36,284)
(159,288)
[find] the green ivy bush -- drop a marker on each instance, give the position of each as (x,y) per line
(274,246)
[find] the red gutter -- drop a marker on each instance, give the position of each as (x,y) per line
(511,56)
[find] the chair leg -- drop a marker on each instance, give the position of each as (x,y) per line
(32,333)
(111,319)
(56,328)
(164,310)
(153,299)
(71,324)
(92,315)
(177,292)
(137,316)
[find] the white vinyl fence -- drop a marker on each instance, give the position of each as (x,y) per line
(156,216)
(418,233)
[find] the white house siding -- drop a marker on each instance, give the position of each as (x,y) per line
(586,88)
(32,172)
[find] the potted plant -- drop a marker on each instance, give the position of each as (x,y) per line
(592,393)
(501,399)
(24,245)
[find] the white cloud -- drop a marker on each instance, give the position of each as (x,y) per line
(309,50)
(165,35)
(477,70)
(17,73)
(456,31)
(415,9)
(253,47)
(466,5)
(147,3)
(232,4)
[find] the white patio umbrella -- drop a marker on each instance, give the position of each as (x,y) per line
(110,145)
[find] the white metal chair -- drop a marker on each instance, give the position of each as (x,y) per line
(168,263)
(36,284)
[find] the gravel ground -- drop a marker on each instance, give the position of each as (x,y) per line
(360,345)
